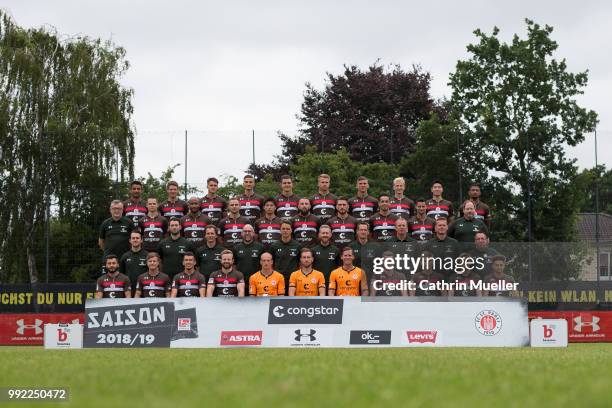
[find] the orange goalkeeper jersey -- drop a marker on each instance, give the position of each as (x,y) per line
(273,285)
(307,285)
(347,283)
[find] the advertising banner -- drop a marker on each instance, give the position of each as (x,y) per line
(305,322)
(45,297)
(583,326)
(28,328)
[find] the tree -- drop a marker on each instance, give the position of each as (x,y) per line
(64,117)
(518,105)
(588,179)
(373,114)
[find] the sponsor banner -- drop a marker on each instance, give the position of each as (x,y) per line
(241,338)
(548,332)
(28,328)
(45,297)
(305,311)
(567,295)
(423,338)
(305,337)
(62,336)
(583,326)
(370,337)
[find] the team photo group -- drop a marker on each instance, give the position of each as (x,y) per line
(251,245)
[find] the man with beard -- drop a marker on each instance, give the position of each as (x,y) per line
(464,277)
(390,282)
(134,207)
(499,278)
(286,252)
(153,282)
(189,283)
(420,227)
(134,262)
(464,229)
(173,207)
(212,205)
(209,254)
(483,250)
(231,226)
(399,204)
(306,281)
(194,223)
(227,281)
(363,205)
(251,203)
(348,280)
(172,249)
(268,226)
(247,253)
(154,226)
(343,225)
(113,284)
(364,249)
(382,224)
(323,203)
(426,276)
(326,255)
(305,225)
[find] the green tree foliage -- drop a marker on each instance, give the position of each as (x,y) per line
(588,180)
(518,105)
(64,119)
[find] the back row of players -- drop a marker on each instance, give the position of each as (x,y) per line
(366,224)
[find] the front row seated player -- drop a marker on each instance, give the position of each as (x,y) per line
(189,283)
(266,281)
(498,263)
(380,284)
(113,284)
(153,283)
(348,280)
(227,281)
(306,281)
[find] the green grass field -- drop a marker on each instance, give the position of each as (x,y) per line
(578,376)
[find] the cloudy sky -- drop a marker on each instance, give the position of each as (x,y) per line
(222,69)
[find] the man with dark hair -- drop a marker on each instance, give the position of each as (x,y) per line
(286,201)
(247,252)
(173,207)
(323,203)
(363,205)
(134,207)
(113,284)
(268,226)
(483,250)
(212,205)
(420,227)
(306,281)
(399,204)
(364,249)
(154,226)
(326,255)
(286,251)
(305,225)
(464,229)
(427,276)
(153,282)
(437,207)
(114,236)
(342,225)
(194,223)
(231,226)
(251,203)
(172,249)
(442,246)
(380,283)
(482,211)
(189,283)
(348,279)
(134,262)
(209,254)
(499,278)
(382,224)
(227,281)
(465,277)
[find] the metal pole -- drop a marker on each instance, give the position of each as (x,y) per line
(459,171)
(529,208)
(253,141)
(185,189)
(596,207)
(47,238)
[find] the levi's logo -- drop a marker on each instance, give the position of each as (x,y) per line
(422,336)
(241,338)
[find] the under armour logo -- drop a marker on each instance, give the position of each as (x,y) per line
(580,324)
(310,335)
(37,326)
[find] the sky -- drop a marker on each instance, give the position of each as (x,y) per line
(223,70)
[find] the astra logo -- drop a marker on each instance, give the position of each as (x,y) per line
(310,335)
(241,338)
